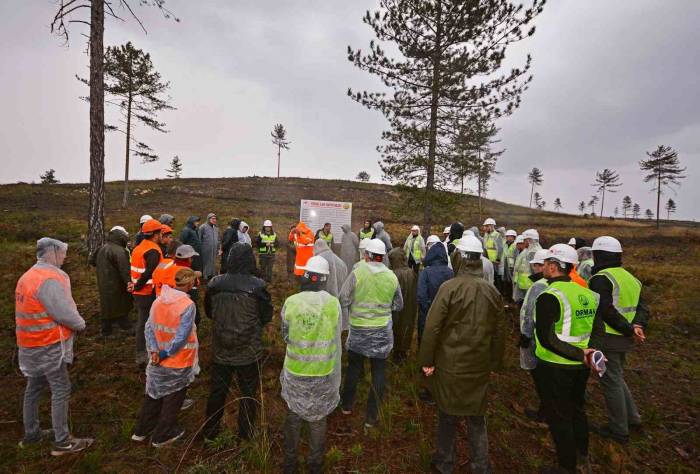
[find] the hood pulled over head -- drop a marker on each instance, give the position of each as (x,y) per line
(456,231)
(346,228)
(241,259)
(437,255)
(191,221)
(397,259)
(51,251)
(321,246)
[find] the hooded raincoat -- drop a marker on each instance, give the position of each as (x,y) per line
(528,360)
(381,234)
(312,398)
(59,304)
(338,270)
(244,234)
(189,236)
(160,380)
(113,274)
(405,319)
(209,235)
(464,340)
(375,342)
(435,273)
(349,247)
(522,265)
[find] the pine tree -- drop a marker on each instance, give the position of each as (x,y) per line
(557,204)
(450,65)
(69,12)
(175,170)
(49,177)
(664,171)
(636,210)
(582,207)
(606,180)
(535,178)
(649,214)
(616,211)
(539,202)
(139,92)
(594,200)
(279,138)
(626,206)
(362,176)
(670,208)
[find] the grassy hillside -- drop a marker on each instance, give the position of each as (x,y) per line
(664,374)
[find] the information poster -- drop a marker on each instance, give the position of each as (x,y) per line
(317,213)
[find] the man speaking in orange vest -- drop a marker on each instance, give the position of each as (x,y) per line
(304,243)
(46,318)
(171,339)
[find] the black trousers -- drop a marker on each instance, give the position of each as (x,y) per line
(158,416)
(562,391)
(143,305)
(355,370)
(247,379)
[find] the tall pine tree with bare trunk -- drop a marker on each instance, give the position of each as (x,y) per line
(449,64)
(535,178)
(279,138)
(140,95)
(626,206)
(664,170)
(70,12)
(606,180)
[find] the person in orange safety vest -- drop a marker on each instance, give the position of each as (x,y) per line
(171,339)
(304,244)
(47,319)
(144,261)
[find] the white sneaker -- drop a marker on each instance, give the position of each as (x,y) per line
(187,403)
(168,441)
(137,438)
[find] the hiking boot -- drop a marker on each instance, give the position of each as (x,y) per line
(605,432)
(73,445)
(43,434)
(187,403)
(168,441)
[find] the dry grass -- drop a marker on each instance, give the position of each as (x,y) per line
(664,374)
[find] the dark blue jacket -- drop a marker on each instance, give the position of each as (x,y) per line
(436,272)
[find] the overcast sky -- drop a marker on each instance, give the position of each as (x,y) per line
(611,81)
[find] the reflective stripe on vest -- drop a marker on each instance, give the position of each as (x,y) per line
(328,238)
(510,255)
(166,319)
(34,326)
(416,250)
(625,294)
(267,243)
(138,265)
(366,235)
(312,320)
(374,294)
(491,245)
(577,307)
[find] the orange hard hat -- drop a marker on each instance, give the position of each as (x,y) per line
(151,226)
(166,229)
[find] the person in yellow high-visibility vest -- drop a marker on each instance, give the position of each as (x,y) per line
(620,322)
(414,248)
(311,325)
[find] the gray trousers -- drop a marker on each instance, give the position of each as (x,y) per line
(622,411)
(267,263)
(446,452)
(317,443)
(58,382)
(143,305)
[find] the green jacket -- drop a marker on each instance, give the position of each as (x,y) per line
(464,340)
(113,274)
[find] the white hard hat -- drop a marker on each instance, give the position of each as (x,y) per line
(572,241)
(318,265)
(607,243)
(468,232)
(363,243)
(119,228)
(144,218)
(563,253)
(415,227)
(539,256)
(376,247)
(519,239)
(511,233)
(447,230)
(267,223)
(432,239)
(489,221)
(531,234)
(470,244)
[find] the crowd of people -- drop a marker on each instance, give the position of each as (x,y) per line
(581,311)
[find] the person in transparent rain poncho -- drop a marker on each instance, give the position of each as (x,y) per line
(311,326)
(46,319)
(369,296)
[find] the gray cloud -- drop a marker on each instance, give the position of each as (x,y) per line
(612,80)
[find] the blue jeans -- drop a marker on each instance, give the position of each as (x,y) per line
(58,382)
